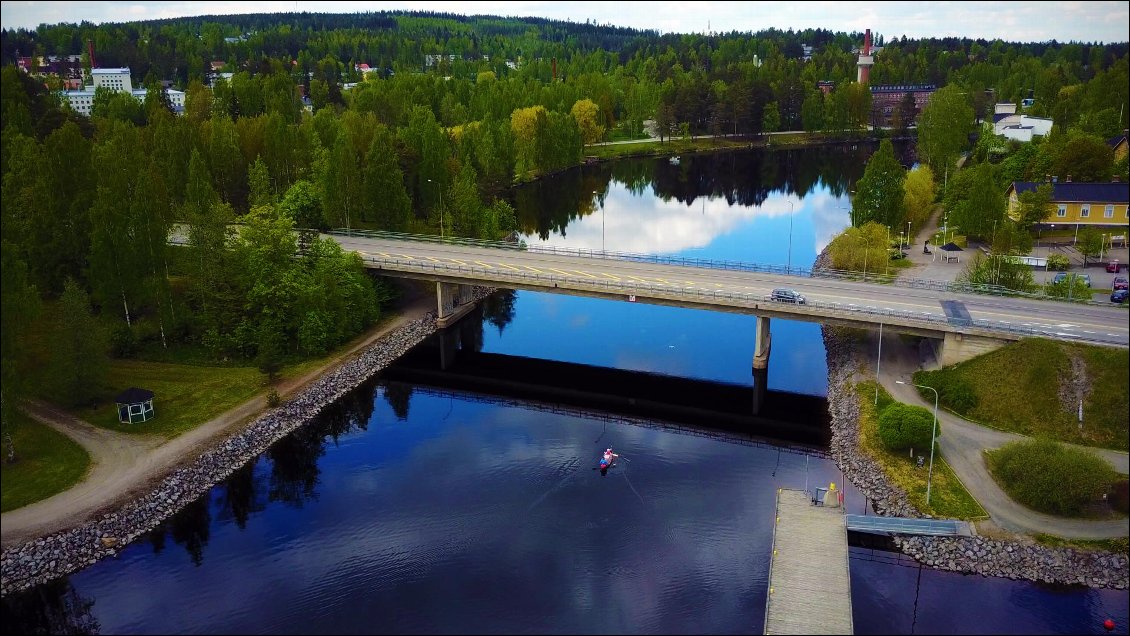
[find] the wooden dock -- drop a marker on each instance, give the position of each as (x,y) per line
(809,584)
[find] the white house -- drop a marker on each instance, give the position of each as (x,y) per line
(1022,127)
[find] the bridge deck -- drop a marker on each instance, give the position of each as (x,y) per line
(902,525)
(809,583)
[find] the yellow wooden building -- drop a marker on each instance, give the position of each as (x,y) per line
(1084,204)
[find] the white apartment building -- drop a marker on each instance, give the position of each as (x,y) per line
(115,79)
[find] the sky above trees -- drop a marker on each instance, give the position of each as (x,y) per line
(1011,21)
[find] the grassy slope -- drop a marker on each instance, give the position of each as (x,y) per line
(1017,390)
(948,497)
(185,396)
(48,463)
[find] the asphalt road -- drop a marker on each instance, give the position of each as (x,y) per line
(1066,321)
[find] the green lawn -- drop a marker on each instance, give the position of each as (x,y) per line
(185,395)
(1120,545)
(667,147)
(47,463)
(1017,390)
(948,497)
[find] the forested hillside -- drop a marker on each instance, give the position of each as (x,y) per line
(418,140)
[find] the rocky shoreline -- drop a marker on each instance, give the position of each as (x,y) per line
(969,555)
(48,558)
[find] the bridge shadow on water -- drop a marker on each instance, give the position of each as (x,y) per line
(700,406)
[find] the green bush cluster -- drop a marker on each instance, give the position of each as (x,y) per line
(954,392)
(1057,262)
(1051,477)
(1074,289)
(903,426)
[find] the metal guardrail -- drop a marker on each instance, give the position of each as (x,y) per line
(903,525)
(707,263)
(938,322)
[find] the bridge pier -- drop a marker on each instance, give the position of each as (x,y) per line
(448,345)
(760,382)
(452,303)
(761,345)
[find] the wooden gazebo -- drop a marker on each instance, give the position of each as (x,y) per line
(134,405)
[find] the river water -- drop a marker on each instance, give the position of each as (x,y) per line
(415,508)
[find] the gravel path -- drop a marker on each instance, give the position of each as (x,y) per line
(126,466)
(963,442)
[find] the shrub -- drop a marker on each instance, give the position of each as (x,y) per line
(904,426)
(1120,496)
(1057,262)
(1051,477)
(957,394)
(122,342)
(273,398)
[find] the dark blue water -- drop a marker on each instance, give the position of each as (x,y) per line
(406,509)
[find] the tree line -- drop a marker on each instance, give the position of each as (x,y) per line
(89,204)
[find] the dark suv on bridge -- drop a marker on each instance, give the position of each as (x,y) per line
(784,295)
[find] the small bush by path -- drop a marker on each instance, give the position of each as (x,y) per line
(948,496)
(1051,477)
(1018,388)
(48,463)
(904,426)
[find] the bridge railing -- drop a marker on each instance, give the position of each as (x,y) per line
(709,263)
(732,298)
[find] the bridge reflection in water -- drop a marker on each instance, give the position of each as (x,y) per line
(783,419)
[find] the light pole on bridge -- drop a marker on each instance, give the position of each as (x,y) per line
(597,195)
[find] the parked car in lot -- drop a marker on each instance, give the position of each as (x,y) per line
(785,295)
(1061,276)
(1119,295)
(1113,266)
(1119,282)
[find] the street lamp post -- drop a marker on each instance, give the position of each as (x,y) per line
(440,214)
(887,251)
(878,360)
(907,234)
(789,265)
(595,194)
(933,433)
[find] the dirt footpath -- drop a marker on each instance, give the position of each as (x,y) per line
(124,466)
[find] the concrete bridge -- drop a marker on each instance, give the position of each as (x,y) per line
(961,326)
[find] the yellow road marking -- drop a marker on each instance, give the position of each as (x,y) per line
(385,254)
(533,269)
(483,264)
(610,276)
(637,279)
(434,260)
(455,260)
(586,274)
(565,274)
(510,267)
(411,258)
